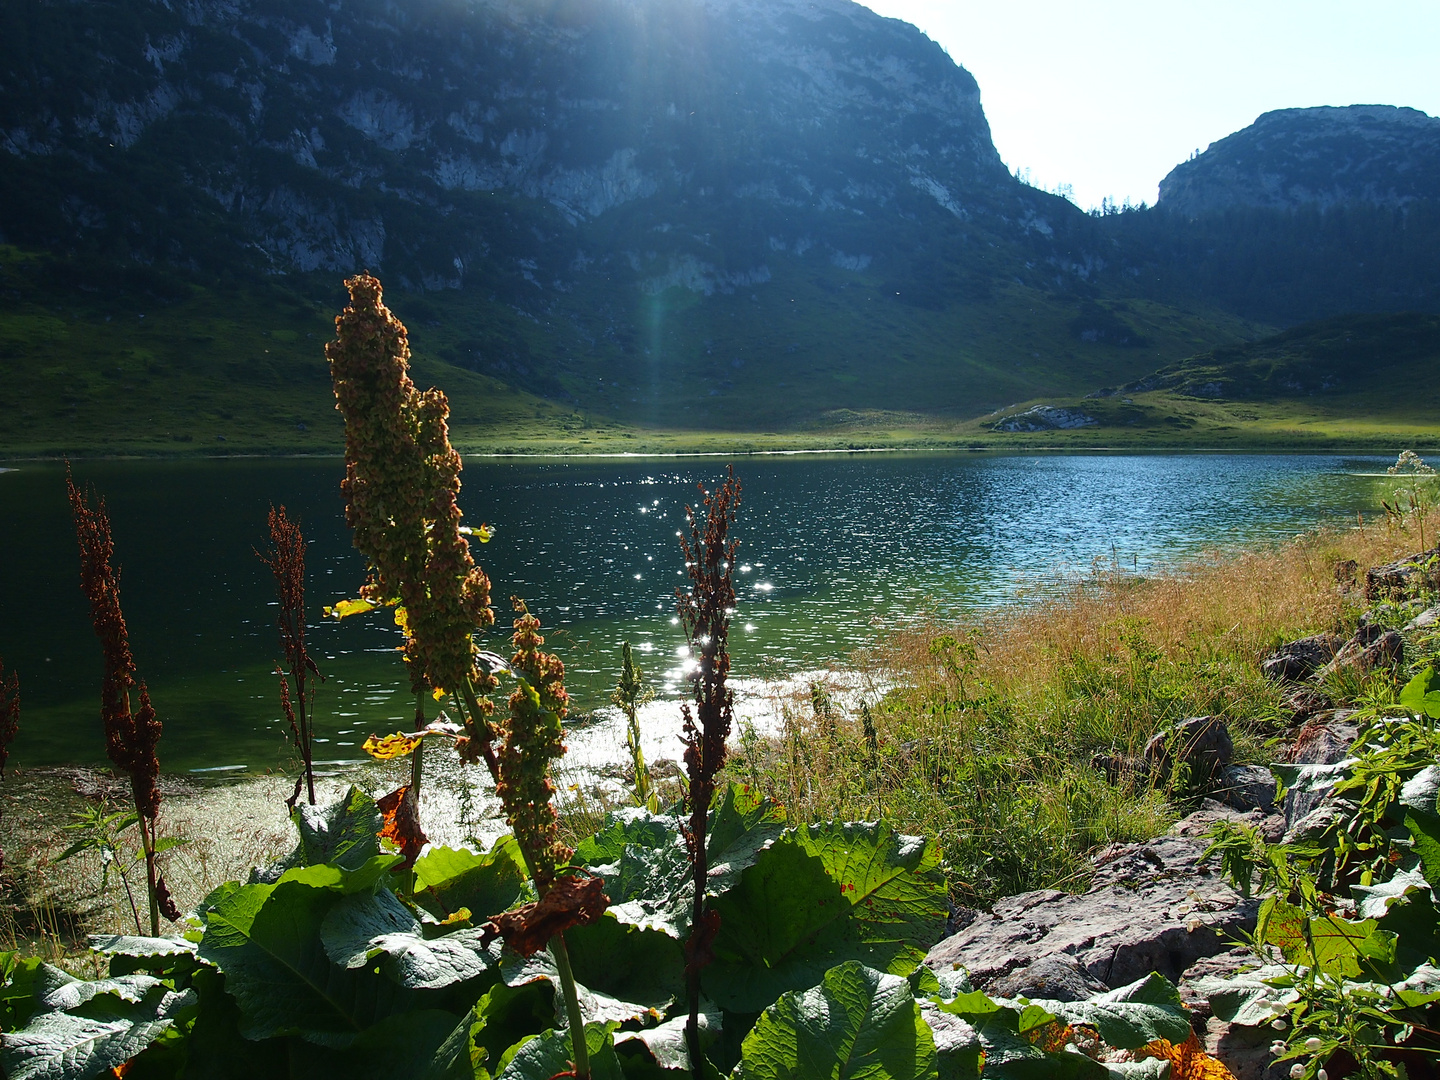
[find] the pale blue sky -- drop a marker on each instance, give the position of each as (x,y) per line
(1109,97)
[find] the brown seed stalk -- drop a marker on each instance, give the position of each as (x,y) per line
(286,560)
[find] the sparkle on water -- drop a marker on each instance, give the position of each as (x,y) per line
(834,549)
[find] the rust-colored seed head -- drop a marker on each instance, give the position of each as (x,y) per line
(532,738)
(9,714)
(402,478)
(130,739)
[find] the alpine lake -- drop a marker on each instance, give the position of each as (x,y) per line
(835,551)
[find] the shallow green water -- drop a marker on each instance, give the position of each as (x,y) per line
(835,548)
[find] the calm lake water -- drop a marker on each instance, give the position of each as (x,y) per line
(835,548)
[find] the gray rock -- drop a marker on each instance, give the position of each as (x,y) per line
(1201,742)
(1155,906)
(1246,787)
(1426,620)
(1057,978)
(1315,823)
(1296,660)
(1324,740)
(1372,647)
(1402,578)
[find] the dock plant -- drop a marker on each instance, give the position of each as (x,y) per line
(130,736)
(705,610)
(286,560)
(9,726)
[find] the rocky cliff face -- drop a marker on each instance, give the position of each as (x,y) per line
(1375,155)
(449,142)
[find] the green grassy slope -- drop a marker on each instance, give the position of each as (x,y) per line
(818,357)
(1355,380)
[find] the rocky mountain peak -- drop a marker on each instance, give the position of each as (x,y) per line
(1377,155)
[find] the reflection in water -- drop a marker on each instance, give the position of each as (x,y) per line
(834,549)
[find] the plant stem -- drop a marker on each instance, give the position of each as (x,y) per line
(147,840)
(415,762)
(572,1007)
(125,880)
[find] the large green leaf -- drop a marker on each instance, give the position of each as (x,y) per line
(642,857)
(1421,695)
(363,926)
(620,959)
(858,1022)
(266,940)
(398,1048)
(1425,835)
(544,1056)
(345,833)
(447,880)
(64,1046)
(1132,1016)
(666,1044)
(1005,1034)
(19,978)
(819,896)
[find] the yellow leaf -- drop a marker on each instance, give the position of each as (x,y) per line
(483,533)
(438,694)
(346,608)
(1188,1060)
(402,619)
(391,746)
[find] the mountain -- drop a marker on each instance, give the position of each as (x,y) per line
(1375,155)
(781,216)
(1305,214)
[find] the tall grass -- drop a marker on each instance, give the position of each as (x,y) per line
(1012,738)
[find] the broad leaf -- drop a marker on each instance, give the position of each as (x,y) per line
(626,962)
(1236,999)
(1132,1016)
(20,977)
(1373,901)
(344,833)
(858,1022)
(266,940)
(820,895)
(398,1048)
(666,1044)
(597,1006)
(129,945)
(364,926)
(62,1046)
(1012,1040)
(1425,835)
(447,880)
(642,857)
(1421,695)
(1421,791)
(547,1055)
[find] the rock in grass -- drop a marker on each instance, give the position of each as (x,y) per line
(1372,647)
(1156,906)
(1296,660)
(1403,578)
(1202,743)
(1247,787)
(1428,619)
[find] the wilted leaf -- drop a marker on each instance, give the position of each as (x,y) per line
(390,747)
(402,823)
(345,608)
(1188,1060)
(571,901)
(858,1022)
(819,895)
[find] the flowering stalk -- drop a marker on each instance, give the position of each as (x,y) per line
(286,560)
(629,694)
(130,738)
(705,612)
(9,725)
(402,478)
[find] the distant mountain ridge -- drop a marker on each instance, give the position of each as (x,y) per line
(1325,157)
